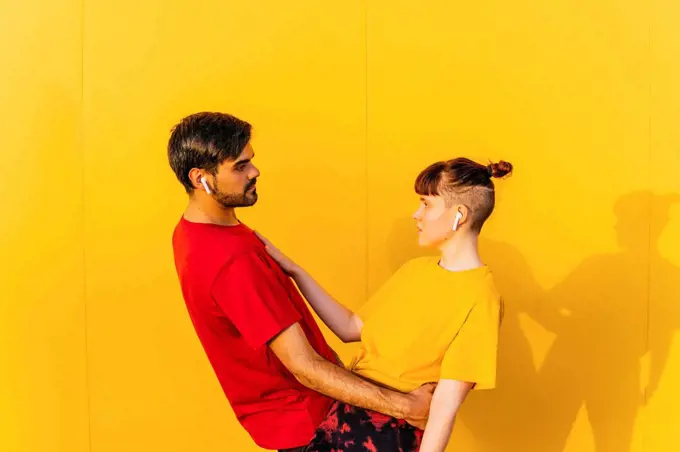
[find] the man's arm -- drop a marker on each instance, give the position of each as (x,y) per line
(313,371)
(447,399)
(257,304)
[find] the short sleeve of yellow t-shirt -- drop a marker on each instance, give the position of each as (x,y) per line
(473,353)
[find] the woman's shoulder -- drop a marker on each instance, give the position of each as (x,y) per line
(420,262)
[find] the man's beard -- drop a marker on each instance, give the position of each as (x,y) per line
(231,200)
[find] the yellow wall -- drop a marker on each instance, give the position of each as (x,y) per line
(43,391)
(349,101)
(663,413)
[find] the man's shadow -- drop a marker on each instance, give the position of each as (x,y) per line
(598,317)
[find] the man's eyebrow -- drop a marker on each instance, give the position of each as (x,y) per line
(240,162)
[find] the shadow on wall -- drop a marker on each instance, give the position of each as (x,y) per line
(598,316)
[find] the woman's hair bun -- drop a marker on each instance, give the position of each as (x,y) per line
(500,169)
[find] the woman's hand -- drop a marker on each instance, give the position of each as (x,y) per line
(343,322)
(286,264)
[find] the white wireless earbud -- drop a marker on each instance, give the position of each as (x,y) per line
(205,185)
(459,216)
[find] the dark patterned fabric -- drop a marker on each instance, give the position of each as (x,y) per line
(351,429)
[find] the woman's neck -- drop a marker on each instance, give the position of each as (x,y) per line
(460,253)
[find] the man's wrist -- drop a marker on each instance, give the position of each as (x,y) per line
(400,403)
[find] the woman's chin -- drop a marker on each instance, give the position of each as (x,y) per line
(429,242)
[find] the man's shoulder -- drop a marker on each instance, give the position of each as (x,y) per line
(211,253)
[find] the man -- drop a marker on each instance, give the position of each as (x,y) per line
(274,365)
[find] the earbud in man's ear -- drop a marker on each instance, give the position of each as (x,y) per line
(205,185)
(459,216)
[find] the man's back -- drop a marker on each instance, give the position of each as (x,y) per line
(238,299)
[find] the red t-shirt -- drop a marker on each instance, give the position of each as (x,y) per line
(238,299)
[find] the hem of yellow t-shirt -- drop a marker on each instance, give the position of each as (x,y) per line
(478,385)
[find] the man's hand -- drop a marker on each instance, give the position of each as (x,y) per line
(420,405)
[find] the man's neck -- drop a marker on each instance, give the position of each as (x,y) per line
(460,253)
(208,211)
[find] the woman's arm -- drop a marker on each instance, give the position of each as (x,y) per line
(446,401)
(344,323)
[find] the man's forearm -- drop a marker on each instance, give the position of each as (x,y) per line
(339,384)
(338,318)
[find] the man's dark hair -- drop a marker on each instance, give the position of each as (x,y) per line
(205,140)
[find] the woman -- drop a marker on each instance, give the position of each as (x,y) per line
(435,320)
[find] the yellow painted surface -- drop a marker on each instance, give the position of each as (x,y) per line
(349,102)
(663,392)
(43,405)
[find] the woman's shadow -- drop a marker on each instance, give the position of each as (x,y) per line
(598,317)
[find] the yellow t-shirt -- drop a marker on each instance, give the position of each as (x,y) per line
(427,323)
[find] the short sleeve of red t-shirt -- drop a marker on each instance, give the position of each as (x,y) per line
(253,298)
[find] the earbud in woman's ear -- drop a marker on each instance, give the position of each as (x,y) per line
(459,216)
